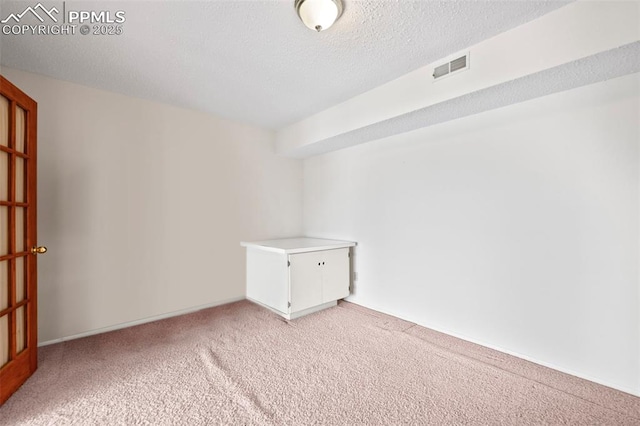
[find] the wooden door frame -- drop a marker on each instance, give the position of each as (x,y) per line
(24,364)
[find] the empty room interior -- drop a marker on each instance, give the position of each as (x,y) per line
(335,212)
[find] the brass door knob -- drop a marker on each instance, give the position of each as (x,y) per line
(38,250)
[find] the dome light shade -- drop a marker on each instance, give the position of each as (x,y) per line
(318,15)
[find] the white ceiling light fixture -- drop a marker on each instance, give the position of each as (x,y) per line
(318,15)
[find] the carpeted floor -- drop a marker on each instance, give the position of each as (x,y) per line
(240,364)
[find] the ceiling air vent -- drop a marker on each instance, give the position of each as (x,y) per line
(441,71)
(458,64)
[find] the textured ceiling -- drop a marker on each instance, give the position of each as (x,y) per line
(254,61)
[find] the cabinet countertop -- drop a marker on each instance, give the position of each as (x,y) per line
(298,245)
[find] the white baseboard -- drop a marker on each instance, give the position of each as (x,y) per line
(625,389)
(140,321)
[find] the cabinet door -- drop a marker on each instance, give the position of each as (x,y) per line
(305,280)
(335,274)
(267,277)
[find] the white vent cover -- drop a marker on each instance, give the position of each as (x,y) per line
(458,64)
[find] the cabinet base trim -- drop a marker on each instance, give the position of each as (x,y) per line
(297,314)
(311,310)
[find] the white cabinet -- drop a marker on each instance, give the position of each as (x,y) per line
(297,276)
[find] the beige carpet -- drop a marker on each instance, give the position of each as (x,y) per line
(240,364)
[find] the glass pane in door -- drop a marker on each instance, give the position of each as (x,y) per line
(21,133)
(4,339)
(4,284)
(20,282)
(4,121)
(21,336)
(20,180)
(4,230)
(20,230)
(4,176)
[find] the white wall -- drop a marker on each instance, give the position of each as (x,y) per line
(517,228)
(143,205)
